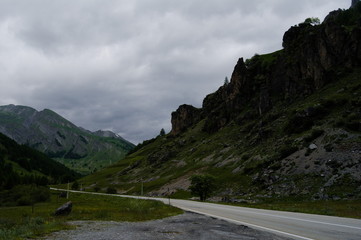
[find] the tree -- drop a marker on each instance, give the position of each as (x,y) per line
(162,132)
(312,21)
(75,186)
(226,81)
(111,190)
(202,186)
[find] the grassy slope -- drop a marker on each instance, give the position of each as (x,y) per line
(19,161)
(20,222)
(93,161)
(236,152)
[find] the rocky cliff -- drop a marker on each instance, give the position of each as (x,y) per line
(184,117)
(50,133)
(313,56)
(288,125)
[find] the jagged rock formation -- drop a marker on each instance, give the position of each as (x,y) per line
(50,133)
(287,125)
(313,56)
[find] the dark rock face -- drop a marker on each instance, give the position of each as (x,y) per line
(316,52)
(313,56)
(354,2)
(65,209)
(184,117)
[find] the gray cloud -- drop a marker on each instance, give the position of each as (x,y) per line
(126,65)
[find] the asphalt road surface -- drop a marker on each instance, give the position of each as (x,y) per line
(287,224)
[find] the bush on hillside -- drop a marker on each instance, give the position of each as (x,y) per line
(75,186)
(111,190)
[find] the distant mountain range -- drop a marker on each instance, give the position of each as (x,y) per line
(21,164)
(50,133)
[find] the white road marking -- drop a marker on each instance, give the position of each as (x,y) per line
(248,224)
(224,207)
(299,219)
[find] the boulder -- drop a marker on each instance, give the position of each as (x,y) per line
(312,146)
(65,209)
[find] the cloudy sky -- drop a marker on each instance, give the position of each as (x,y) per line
(125,65)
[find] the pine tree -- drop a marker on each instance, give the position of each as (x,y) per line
(226,81)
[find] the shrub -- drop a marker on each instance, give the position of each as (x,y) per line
(354,126)
(314,134)
(298,124)
(75,186)
(328,147)
(111,190)
(202,186)
(25,195)
(25,200)
(287,150)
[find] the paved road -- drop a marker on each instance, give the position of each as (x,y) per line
(293,225)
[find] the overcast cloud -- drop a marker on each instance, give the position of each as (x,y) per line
(125,65)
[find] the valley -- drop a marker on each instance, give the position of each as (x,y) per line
(50,133)
(283,134)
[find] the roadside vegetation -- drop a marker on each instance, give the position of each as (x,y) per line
(22,222)
(202,186)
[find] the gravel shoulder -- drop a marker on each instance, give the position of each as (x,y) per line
(185,226)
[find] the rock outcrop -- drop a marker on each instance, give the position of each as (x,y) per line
(312,56)
(185,116)
(287,125)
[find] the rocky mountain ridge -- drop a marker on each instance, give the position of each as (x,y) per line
(60,139)
(287,126)
(313,56)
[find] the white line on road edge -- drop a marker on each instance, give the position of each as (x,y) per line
(210,215)
(248,224)
(223,218)
(298,219)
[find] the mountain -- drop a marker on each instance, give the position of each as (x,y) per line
(60,139)
(20,164)
(286,126)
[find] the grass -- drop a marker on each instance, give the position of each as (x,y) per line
(21,223)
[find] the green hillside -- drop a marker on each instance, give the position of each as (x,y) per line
(238,153)
(287,126)
(50,133)
(20,164)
